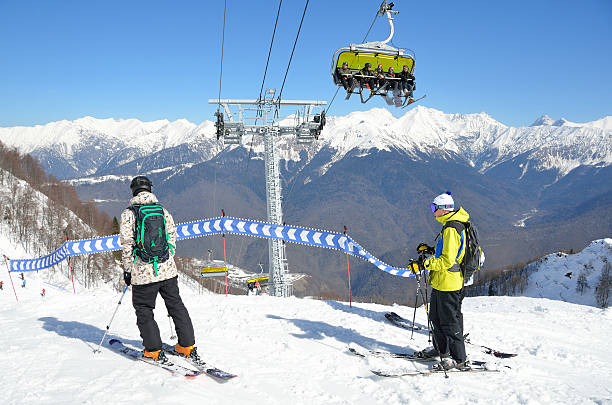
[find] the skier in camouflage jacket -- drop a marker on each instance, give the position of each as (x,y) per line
(146,285)
(142,272)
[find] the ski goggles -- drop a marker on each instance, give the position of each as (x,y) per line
(436,207)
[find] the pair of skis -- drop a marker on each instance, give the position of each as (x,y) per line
(173,367)
(476,366)
(402,322)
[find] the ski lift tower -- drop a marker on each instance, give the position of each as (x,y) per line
(261,117)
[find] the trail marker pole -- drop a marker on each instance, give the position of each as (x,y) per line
(224,256)
(348,270)
(70,267)
(10,277)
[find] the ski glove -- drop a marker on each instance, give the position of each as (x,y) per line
(425,248)
(127,277)
(415,266)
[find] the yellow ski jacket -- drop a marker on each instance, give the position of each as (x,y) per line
(445,274)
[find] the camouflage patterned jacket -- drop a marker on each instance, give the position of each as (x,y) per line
(143,273)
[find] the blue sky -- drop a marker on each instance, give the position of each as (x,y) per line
(161,60)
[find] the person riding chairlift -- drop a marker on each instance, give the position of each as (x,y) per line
(367,79)
(407,82)
(391,74)
(346,76)
(380,76)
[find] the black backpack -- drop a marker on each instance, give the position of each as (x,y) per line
(151,234)
(473,257)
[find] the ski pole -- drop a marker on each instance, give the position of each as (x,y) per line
(111,320)
(173,336)
(416,301)
(429,324)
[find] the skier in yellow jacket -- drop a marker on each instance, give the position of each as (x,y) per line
(447,285)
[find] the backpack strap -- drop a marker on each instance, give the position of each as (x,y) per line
(134,209)
(459,227)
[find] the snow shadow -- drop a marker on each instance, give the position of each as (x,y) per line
(316,330)
(89,334)
(374,315)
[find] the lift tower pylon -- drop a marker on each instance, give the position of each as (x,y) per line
(265,115)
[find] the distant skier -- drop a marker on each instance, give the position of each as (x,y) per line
(1,285)
(257,288)
(447,285)
(155,276)
(23,284)
(42,294)
(21,276)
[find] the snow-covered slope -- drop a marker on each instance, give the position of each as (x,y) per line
(295,351)
(557,275)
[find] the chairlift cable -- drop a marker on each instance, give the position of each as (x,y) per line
(364,39)
(259,109)
(291,57)
(222,47)
(214,199)
(262,86)
(332,100)
(373,21)
(269,53)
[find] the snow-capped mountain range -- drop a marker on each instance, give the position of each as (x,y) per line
(90,146)
(369,170)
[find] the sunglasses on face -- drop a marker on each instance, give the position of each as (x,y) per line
(436,207)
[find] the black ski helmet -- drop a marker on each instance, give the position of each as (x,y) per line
(368,65)
(140,183)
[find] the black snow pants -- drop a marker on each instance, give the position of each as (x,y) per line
(447,323)
(143,299)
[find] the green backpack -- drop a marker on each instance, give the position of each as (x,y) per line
(151,234)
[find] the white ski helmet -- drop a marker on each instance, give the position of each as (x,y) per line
(444,201)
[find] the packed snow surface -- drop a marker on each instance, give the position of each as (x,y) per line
(294,351)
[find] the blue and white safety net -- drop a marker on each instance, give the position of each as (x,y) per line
(220,225)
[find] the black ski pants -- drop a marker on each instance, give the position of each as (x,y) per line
(447,323)
(143,299)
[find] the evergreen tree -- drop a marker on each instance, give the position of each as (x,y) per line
(581,283)
(602,291)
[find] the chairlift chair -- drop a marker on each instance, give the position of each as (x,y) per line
(212,268)
(376,53)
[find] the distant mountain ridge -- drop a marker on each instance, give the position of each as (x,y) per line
(532,190)
(89,146)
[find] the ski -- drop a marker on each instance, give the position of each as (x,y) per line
(413,101)
(168,365)
(402,322)
(200,365)
(429,371)
(406,324)
(488,350)
(395,355)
